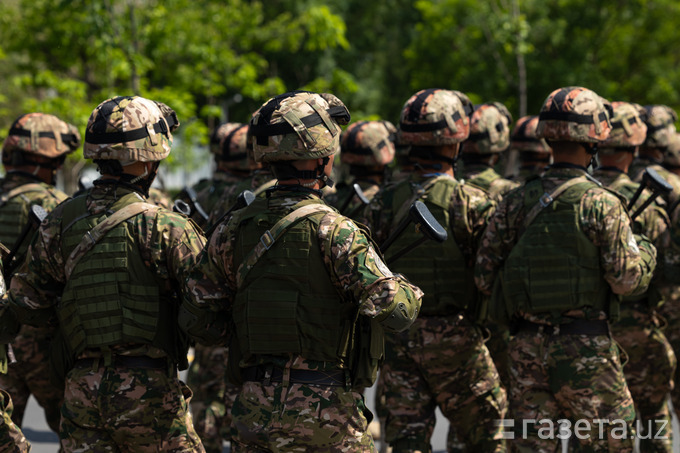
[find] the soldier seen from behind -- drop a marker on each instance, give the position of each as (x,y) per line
(35,148)
(533,153)
(302,292)
(556,253)
(107,267)
(441,361)
(366,147)
(651,362)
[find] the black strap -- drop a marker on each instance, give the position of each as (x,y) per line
(264,373)
(262,131)
(129,136)
(226,157)
(428,127)
(575,327)
(352,137)
(417,105)
(66,138)
(571,117)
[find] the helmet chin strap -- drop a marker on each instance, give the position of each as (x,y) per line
(323,176)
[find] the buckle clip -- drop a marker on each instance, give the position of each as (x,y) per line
(267,240)
(545,200)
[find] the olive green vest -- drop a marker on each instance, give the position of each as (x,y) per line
(287,303)
(554,267)
(484,179)
(112,297)
(439,269)
(14,208)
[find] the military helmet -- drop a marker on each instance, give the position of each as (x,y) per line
(40,134)
(671,157)
(368,143)
(298,125)
(129,129)
(434,117)
(628,126)
(489,129)
(660,125)
(228,143)
(574,114)
(523,137)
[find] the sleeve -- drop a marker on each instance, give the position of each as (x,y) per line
(628,265)
(470,212)
(358,272)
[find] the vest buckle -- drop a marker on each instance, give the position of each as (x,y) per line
(545,200)
(267,240)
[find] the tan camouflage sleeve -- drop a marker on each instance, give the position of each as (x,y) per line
(470,211)
(359,272)
(627,267)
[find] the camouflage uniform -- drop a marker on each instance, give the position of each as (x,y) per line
(159,198)
(290,402)
(564,364)
(119,344)
(29,375)
(534,153)
(441,361)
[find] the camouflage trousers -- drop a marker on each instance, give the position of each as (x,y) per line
(30,375)
(299,418)
(12,439)
(576,378)
(121,409)
(649,373)
(213,396)
(670,313)
(442,361)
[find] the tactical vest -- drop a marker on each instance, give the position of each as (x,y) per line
(439,269)
(112,297)
(554,267)
(14,207)
(484,180)
(287,303)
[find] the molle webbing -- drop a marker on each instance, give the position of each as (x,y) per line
(554,267)
(14,207)
(484,180)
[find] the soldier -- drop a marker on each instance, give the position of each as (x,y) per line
(36,147)
(159,198)
(489,138)
(556,248)
(304,290)
(651,361)
(12,440)
(228,145)
(114,263)
(367,147)
(660,120)
(534,153)
(441,361)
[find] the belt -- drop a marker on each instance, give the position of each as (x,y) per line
(576,327)
(267,373)
(124,361)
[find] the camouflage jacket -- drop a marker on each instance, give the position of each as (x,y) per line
(228,196)
(637,169)
(209,193)
(475,174)
(354,266)
(602,218)
(15,218)
(339,198)
(159,198)
(168,243)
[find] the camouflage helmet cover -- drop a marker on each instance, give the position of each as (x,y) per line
(299,125)
(489,129)
(660,125)
(671,157)
(628,126)
(40,134)
(229,145)
(434,117)
(368,143)
(523,137)
(574,114)
(129,129)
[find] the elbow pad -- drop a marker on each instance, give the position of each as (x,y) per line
(400,318)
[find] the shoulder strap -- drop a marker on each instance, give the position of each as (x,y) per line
(265,186)
(420,191)
(22,189)
(93,236)
(270,236)
(547,198)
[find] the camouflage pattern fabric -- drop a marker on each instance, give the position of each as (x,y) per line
(125,409)
(209,193)
(339,197)
(168,244)
(335,420)
(671,308)
(159,198)
(213,395)
(442,362)
(568,376)
(12,440)
(478,175)
(30,375)
(413,389)
(525,172)
(230,193)
(638,167)
(65,137)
